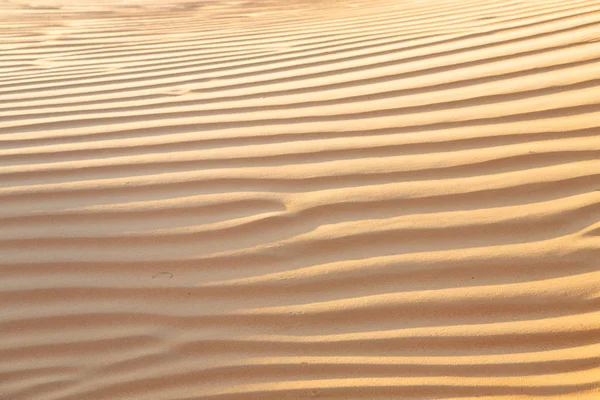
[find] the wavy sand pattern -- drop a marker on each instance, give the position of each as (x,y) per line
(265,200)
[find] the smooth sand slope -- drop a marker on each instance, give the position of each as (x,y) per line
(270,200)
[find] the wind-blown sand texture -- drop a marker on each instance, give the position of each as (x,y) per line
(266,200)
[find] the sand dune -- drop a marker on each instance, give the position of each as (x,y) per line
(299,199)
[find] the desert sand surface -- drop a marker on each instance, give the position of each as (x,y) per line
(299,199)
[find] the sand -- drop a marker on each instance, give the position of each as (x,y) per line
(270,200)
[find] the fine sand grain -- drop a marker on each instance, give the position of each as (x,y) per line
(297,199)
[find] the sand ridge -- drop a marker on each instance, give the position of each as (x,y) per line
(299,199)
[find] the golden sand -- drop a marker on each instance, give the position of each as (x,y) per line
(271,200)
